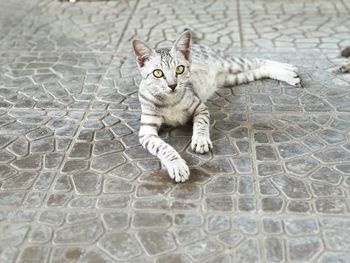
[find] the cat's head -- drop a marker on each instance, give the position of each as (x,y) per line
(167,69)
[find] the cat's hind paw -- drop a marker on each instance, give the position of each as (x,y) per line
(178,170)
(201,144)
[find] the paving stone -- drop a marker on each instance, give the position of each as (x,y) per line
(116,220)
(272,226)
(301,166)
(219,203)
(337,240)
(87,183)
(246,204)
(34,254)
(40,234)
(13,235)
(107,162)
(84,233)
(246,185)
(126,171)
(146,220)
(298,206)
(112,201)
(331,206)
(218,166)
(333,155)
(185,236)
(217,223)
(188,219)
(269,169)
(246,223)
(327,175)
(221,184)
(173,258)
(301,226)
(66,254)
(157,241)
(335,257)
(202,250)
(248,251)
(292,188)
(304,249)
(122,246)
(265,153)
(186,192)
(274,249)
(271,204)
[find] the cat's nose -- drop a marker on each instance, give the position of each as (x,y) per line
(172,86)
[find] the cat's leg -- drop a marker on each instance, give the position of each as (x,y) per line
(201,142)
(280,71)
(148,135)
(239,71)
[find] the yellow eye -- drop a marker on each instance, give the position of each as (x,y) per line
(158,73)
(180,69)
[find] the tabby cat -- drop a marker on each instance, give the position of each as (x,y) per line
(176,83)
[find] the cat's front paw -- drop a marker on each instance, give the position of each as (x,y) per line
(201,144)
(178,170)
(345,68)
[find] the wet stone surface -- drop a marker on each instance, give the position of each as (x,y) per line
(77,186)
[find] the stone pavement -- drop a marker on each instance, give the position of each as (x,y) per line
(76,186)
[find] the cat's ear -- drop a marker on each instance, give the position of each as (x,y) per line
(142,52)
(182,44)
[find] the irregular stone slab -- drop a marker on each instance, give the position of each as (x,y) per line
(84,233)
(34,254)
(301,226)
(231,238)
(152,220)
(12,234)
(331,206)
(219,203)
(272,225)
(203,250)
(66,254)
(107,162)
(248,251)
(11,198)
(302,166)
(87,183)
(304,249)
(218,166)
(327,175)
(104,147)
(96,256)
(269,169)
(333,155)
(128,172)
(337,240)
(335,257)
(122,246)
(265,153)
(114,185)
(221,184)
(187,236)
(116,220)
(274,249)
(293,188)
(157,241)
(23,180)
(217,223)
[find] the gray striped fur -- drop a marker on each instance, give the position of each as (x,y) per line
(205,71)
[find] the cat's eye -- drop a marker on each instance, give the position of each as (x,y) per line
(180,69)
(158,73)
